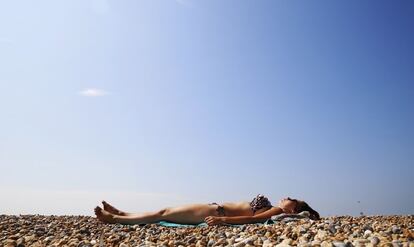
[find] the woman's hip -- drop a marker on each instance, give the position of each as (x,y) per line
(190,214)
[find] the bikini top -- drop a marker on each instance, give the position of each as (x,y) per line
(259,202)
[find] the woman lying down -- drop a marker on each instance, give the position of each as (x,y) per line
(257,211)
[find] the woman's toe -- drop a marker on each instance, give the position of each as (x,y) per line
(98,210)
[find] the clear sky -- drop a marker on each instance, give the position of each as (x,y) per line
(150,104)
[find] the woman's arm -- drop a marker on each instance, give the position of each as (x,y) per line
(258,218)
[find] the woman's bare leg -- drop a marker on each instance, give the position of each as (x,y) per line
(143,218)
(111,209)
(187,214)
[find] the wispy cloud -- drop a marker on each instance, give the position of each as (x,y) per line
(93,92)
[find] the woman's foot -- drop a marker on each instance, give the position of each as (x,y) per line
(109,208)
(104,216)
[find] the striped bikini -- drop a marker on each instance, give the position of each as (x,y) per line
(259,202)
(219,209)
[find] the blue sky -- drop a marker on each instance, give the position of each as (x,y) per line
(150,104)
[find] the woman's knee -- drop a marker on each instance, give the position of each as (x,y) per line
(163,212)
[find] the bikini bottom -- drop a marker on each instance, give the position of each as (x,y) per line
(220,209)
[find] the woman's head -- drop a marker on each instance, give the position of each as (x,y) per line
(294,206)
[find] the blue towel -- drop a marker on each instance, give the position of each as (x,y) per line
(171,224)
(275,218)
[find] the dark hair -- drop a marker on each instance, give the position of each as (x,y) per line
(303,206)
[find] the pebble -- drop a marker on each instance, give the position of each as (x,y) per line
(375,241)
(367,233)
(211,242)
(239,244)
(326,244)
(332,228)
(395,229)
(84,231)
(339,244)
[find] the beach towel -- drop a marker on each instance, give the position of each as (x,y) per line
(272,220)
(171,224)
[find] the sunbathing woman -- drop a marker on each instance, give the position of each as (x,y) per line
(257,211)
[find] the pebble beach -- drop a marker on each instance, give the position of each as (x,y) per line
(85,231)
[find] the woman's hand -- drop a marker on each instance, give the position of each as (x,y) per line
(214,220)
